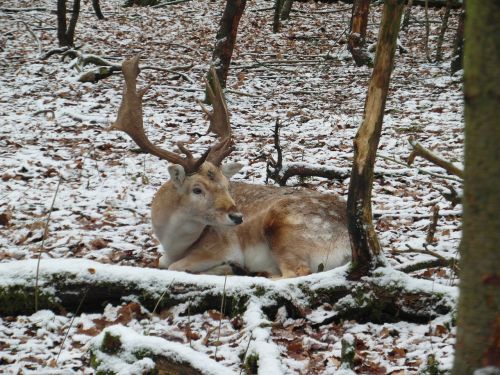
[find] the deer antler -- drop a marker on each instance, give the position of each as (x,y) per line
(219,117)
(130,121)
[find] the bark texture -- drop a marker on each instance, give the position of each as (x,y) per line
(97,9)
(478,334)
(356,42)
(65,32)
(457,61)
(226,38)
(366,250)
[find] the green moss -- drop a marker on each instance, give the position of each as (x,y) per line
(17,299)
(143,353)
(110,344)
(347,353)
(259,290)
(238,305)
(252,364)
(94,362)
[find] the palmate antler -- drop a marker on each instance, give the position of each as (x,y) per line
(130,121)
(219,117)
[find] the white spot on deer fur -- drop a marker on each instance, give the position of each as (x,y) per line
(295,220)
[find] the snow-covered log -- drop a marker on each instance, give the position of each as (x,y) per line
(119,349)
(388,295)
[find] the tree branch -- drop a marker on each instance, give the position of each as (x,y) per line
(419,150)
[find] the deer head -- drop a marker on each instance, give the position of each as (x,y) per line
(201,184)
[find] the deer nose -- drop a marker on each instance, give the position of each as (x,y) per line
(236,218)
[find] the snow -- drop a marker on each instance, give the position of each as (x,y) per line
(51,125)
(132,341)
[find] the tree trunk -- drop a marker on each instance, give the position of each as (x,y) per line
(356,42)
(287,8)
(226,38)
(478,333)
(366,251)
(444,26)
(278,5)
(406,18)
(97,9)
(66,34)
(457,62)
(61,23)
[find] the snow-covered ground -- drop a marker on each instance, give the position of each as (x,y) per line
(53,138)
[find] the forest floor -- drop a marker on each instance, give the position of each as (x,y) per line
(54,143)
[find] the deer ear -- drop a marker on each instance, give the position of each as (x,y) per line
(177,174)
(230,169)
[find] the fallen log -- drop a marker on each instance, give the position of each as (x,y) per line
(386,296)
(119,349)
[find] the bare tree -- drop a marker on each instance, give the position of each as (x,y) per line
(458,45)
(97,9)
(478,333)
(356,42)
(226,38)
(366,250)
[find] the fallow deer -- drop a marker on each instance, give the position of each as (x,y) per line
(203,221)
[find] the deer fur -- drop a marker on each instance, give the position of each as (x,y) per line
(285,232)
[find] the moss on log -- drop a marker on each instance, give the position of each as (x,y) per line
(388,295)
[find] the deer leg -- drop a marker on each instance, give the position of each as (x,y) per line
(290,251)
(203,260)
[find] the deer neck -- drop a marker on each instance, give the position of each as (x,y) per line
(176,229)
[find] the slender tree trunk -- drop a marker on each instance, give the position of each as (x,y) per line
(61,23)
(366,250)
(287,8)
(406,18)
(478,333)
(97,9)
(226,38)
(66,34)
(457,61)
(444,26)
(72,22)
(278,5)
(356,43)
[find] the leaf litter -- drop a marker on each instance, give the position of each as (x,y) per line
(53,126)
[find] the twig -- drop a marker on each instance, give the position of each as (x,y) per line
(245,94)
(245,353)
(419,150)
(420,170)
(39,43)
(18,10)
(321,11)
(220,317)
(440,260)
(71,322)
(161,297)
(166,3)
(432,227)
(427,31)
(45,233)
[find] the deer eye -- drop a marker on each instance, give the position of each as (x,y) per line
(197,190)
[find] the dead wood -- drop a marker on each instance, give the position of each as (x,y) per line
(419,150)
(388,295)
(356,43)
(366,249)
